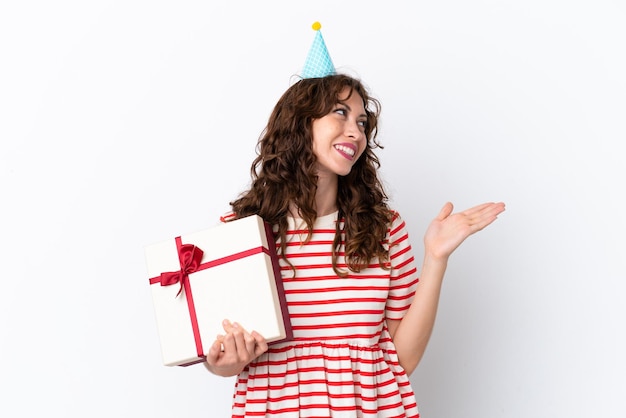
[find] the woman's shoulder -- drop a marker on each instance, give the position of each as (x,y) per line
(228,216)
(394,217)
(397,224)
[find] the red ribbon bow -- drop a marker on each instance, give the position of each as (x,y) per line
(190,257)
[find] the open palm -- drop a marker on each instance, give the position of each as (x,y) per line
(448,230)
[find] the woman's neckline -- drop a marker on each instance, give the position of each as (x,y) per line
(320,219)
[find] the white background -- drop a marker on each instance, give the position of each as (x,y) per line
(127,122)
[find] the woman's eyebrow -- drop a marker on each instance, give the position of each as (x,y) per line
(350,109)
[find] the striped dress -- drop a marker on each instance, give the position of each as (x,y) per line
(341,361)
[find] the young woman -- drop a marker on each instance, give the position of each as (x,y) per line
(360,320)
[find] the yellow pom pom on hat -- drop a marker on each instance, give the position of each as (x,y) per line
(318,62)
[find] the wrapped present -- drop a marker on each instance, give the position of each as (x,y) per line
(229,271)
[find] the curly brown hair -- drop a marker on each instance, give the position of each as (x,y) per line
(284,173)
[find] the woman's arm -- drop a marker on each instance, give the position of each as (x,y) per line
(444,235)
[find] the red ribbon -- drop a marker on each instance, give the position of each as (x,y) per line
(190,257)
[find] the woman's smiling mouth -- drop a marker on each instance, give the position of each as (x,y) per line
(346,149)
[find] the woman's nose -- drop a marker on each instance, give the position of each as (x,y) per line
(353,130)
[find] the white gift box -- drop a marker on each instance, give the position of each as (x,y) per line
(229,271)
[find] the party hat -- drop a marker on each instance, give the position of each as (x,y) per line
(318,62)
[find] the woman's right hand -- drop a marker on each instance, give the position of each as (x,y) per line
(230,353)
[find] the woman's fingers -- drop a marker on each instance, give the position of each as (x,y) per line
(230,353)
(244,342)
(246,345)
(445,211)
(482,215)
(485,208)
(229,344)
(448,230)
(260,343)
(214,351)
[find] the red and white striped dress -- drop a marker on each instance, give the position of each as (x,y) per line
(341,361)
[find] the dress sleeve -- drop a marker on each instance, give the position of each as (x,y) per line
(228,216)
(404,275)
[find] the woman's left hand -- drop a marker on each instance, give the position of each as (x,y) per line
(448,230)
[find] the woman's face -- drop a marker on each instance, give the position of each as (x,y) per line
(339,137)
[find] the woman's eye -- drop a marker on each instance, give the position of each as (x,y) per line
(340,111)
